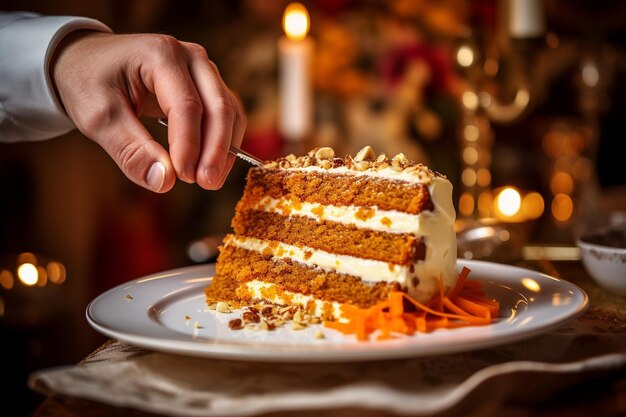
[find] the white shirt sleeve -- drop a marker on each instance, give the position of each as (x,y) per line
(29,108)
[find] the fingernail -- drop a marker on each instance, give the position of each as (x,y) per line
(189,173)
(210,174)
(156,176)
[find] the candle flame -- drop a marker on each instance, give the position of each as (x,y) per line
(28,274)
(296,21)
(509,201)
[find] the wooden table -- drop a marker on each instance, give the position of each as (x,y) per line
(597,398)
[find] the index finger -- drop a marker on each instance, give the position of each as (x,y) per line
(218,119)
(178,98)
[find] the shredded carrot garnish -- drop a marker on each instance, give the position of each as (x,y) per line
(464,305)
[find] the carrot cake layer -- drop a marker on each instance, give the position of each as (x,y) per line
(338,189)
(343,239)
(247,268)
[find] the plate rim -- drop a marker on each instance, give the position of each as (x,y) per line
(259,352)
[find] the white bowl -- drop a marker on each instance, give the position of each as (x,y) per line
(603,253)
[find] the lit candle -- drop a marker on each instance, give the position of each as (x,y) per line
(295,51)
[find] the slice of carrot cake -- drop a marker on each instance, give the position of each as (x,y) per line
(319,231)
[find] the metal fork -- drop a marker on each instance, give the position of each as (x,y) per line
(232,150)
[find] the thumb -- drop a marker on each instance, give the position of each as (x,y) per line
(144,161)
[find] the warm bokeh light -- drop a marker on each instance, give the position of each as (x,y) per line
(468,176)
(552,40)
(42,278)
(590,74)
(483,177)
(465,56)
(508,201)
(466,204)
(56,272)
(562,207)
(470,155)
(561,183)
(575,143)
(491,66)
(563,142)
(26,258)
(551,143)
(296,21)
(531,284)
(470,100)
(533,205)
(470,133)
(28,274)
(6,279)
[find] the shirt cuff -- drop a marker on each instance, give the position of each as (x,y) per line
(29,108)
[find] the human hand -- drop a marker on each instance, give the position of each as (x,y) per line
(106,81)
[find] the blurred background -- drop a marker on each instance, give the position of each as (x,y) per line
(519,102)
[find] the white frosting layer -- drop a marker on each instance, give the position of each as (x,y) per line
(388,173)
(391,221)
(369,270)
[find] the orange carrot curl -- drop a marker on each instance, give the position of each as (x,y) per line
(464,305)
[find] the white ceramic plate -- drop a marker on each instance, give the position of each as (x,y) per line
(150,312)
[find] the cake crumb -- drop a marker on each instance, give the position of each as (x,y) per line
(129,297)
(223,307)
(187,318)
(319,335)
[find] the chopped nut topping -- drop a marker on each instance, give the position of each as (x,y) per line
(326,164)
(235,324)
(365,154)
(297,317)
(361,165)
(325,153)
(365,160)
(251,316)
